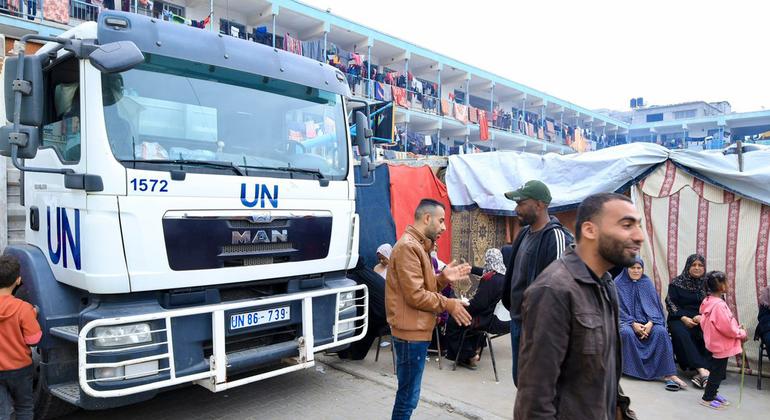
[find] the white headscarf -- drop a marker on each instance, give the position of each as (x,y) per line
(385,250)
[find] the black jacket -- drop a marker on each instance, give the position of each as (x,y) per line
(569,359)
(554,240)
(763,327)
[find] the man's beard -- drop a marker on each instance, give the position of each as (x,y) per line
(614,251)
(527,219)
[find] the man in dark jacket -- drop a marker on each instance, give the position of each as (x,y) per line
(570,364)
(541,240)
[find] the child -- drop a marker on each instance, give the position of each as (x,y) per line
(19,330)
(722,334)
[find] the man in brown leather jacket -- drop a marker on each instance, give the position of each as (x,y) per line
(569,366)
(413,299)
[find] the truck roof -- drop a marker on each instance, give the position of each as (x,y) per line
(184,42)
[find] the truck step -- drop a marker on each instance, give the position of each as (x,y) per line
(67,332)
(68,392)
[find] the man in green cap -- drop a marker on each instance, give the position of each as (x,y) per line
(542,240)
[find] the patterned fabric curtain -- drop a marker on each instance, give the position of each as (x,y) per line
(683,215)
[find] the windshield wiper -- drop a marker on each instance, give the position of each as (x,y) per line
(321,178)
(205,163)
(315,172)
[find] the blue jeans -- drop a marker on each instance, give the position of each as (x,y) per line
(515,336)
(16,393)
(410,363)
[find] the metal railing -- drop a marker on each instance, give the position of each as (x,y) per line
(215,379)
(25,9)
(81,10)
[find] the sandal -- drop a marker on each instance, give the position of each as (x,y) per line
(468,365)
(722,400)
(716,405)
(699,381)
(672,386)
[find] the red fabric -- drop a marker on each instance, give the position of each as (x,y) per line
(399,96)
(483,125)
(408,186)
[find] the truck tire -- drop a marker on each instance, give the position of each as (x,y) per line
(47,406)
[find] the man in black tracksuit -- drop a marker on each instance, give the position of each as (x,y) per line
(541,240)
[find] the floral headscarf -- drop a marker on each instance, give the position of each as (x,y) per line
(493,261)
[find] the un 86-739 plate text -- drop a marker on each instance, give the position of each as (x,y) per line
(266,316)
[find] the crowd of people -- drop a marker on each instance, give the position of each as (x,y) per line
(575,329)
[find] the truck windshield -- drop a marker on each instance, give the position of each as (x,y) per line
(174,113)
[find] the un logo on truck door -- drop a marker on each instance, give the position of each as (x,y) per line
(67,236)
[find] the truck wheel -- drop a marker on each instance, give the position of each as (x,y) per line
(47,406)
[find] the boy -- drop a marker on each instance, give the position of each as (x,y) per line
(19,329)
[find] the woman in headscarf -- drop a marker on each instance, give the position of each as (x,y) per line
(376,287)
(647,352)
(763,328)
(383,257)
(482,309)
(685,294)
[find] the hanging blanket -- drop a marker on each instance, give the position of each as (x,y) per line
(408,186)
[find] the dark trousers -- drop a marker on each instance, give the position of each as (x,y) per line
(689,347)
(515,338)
(16,393)
(717,373)
(410,363)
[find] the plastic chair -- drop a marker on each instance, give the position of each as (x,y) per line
(488,337)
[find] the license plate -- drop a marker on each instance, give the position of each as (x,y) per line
(267,316)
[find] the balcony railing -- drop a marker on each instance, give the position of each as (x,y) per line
(84,11)
(28,9)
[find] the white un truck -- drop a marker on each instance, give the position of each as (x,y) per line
(190,203)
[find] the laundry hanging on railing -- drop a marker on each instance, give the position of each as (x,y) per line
(292,44)
(399,96)
(57,11)
(483,125)
(461,113)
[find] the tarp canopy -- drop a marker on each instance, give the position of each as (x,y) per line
(480,180)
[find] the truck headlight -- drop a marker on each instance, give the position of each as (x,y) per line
(346,300)
(122,335)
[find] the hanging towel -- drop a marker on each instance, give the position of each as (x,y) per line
(57,11)
(483,125)
(409,185)
(473,115)
(446,108)
(461,113)
(379,91)
(399,96)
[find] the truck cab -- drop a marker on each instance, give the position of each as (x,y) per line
(190,208)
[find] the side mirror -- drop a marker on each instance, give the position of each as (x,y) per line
(30,86)
(27,138)
(116,57)
(363,134)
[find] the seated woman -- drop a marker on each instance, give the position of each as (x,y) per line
(685,294)
(647,352)
(377,320)
(482,309)
(383,257)
(763,327)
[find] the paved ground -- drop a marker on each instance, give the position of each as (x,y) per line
(342,389)
(318,393)
(476,394)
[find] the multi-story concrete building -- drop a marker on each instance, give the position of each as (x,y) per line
(438,98)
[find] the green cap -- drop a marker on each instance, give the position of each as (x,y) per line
(534,189)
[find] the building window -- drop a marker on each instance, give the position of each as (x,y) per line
(687,113)
(654,117)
